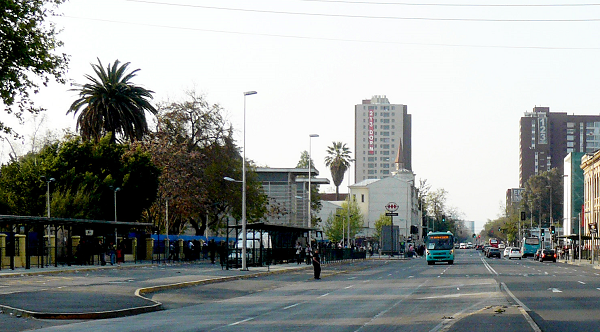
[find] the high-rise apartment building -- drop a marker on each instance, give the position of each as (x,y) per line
(546,138)
(382,138)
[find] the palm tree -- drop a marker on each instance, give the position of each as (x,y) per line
(111,103)
(338,161)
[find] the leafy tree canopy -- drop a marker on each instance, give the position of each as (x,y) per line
(28,43)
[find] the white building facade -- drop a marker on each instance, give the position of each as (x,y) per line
(373,195)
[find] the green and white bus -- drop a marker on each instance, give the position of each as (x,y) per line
(439,247)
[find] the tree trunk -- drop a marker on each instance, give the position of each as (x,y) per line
(337,193)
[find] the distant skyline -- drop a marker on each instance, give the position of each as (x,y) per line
(466,70)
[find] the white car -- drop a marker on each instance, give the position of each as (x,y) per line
(515,253)
(506,251)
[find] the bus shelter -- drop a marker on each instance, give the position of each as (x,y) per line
(27,241)
(266,244)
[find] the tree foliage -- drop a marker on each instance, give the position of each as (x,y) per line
(537,199)
(337,223)
(85,175)
(315,197)
(28,43)
(111,103)
(338,161)
(194,147)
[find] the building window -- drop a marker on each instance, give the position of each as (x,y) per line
(362,198)
(385,171)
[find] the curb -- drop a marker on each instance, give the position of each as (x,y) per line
(140,292)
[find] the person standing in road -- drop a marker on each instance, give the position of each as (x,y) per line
(316,260)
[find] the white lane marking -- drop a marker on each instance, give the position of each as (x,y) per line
(555,290)
(411,276)
(324,294)
(488,267)
(514,297)
(291,306)
(349,286)
(351,278)
(581,282)
(242,321)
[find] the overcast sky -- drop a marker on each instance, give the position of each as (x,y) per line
(466,72)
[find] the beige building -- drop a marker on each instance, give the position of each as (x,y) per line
(590,163)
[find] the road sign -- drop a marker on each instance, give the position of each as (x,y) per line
(391,214)
(391,207)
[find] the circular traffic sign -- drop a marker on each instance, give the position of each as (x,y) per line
(391,207)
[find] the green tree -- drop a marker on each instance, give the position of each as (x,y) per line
(83,173)
(544,192)
(194,147)
(27,54)
(338,161)
(379,223)
(111,103)
(315,196)
(337,223)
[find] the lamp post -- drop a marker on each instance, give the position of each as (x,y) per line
(309,185)
(48,212)
(244,267)
(351,160)
(115,196)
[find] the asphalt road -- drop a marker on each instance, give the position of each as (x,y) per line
(474,294)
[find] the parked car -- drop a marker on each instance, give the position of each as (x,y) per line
(493,252)
(547,255)
(515,253)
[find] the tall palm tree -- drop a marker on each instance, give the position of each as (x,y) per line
(338,161)
(111,103)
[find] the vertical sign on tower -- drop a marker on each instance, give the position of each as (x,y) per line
(371,134)
(542,130)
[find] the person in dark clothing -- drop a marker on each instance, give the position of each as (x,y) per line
(316,260)
(212,247)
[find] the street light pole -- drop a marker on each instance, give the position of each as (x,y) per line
(244,236)
(115,195)
(48,213)
(351,160)
(309,185)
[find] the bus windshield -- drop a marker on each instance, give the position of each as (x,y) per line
(440,242)
(532,241)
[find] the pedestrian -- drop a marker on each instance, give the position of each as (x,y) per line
(316,260)
(308,254)
(298,253)
(212,247)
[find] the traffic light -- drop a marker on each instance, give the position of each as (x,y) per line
(443,218)
(552,230)
(523,215)
(474,235)
(543,232)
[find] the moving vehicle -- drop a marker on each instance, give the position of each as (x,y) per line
(547,255)
(514,253)
(463,246)
(439,247)
(530,246)
(493,252)
(493,243)
(506,252)
(537,254)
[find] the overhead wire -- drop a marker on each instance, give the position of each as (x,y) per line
(362,16)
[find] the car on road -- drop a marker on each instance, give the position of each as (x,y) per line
(515,253)
(547,255)
(463,246)
(506,251)
(536,256)
(479,247)
(493,252)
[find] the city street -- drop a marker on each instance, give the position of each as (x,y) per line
(474,294)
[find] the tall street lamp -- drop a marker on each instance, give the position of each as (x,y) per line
(244,267)
(43,178)
(309,185)
(115,199)
(351,161)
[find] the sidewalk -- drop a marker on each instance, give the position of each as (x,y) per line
(117,293)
